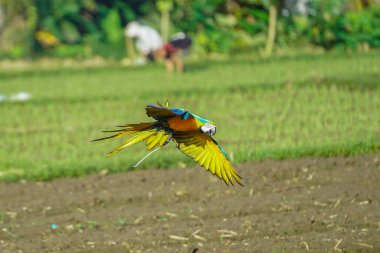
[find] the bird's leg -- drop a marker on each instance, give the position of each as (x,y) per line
(154,150)
(151,152)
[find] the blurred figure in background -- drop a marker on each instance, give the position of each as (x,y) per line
(148,40)
(174,51)
(149,43)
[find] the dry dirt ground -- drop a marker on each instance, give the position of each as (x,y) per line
(306,205)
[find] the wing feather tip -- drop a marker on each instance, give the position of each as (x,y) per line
(232,182)
(237,179)
(112,131)
(111,154)
(104,138)
(226,182)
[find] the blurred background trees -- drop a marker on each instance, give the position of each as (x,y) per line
(87,28)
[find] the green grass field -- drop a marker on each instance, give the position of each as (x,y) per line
(278,108)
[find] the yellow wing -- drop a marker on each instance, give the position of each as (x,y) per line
(206,151)
(158,139)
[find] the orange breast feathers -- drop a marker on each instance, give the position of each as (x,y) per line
(178,124)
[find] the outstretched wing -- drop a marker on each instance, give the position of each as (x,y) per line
(207,152)
(159,111)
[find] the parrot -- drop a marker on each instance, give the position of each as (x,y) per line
(191,133)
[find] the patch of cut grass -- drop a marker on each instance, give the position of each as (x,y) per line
(278,108)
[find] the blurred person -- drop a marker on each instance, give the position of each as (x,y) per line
(148,40)
(174,51)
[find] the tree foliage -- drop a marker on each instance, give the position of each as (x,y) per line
(83,28)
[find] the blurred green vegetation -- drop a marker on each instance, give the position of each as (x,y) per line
(264,109)
(86,28)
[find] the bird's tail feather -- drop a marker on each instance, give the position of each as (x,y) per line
(151,133)
(135,139)
(128,130)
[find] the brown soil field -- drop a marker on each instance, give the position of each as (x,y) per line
(305,205)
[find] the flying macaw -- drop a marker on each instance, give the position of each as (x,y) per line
(191,133)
